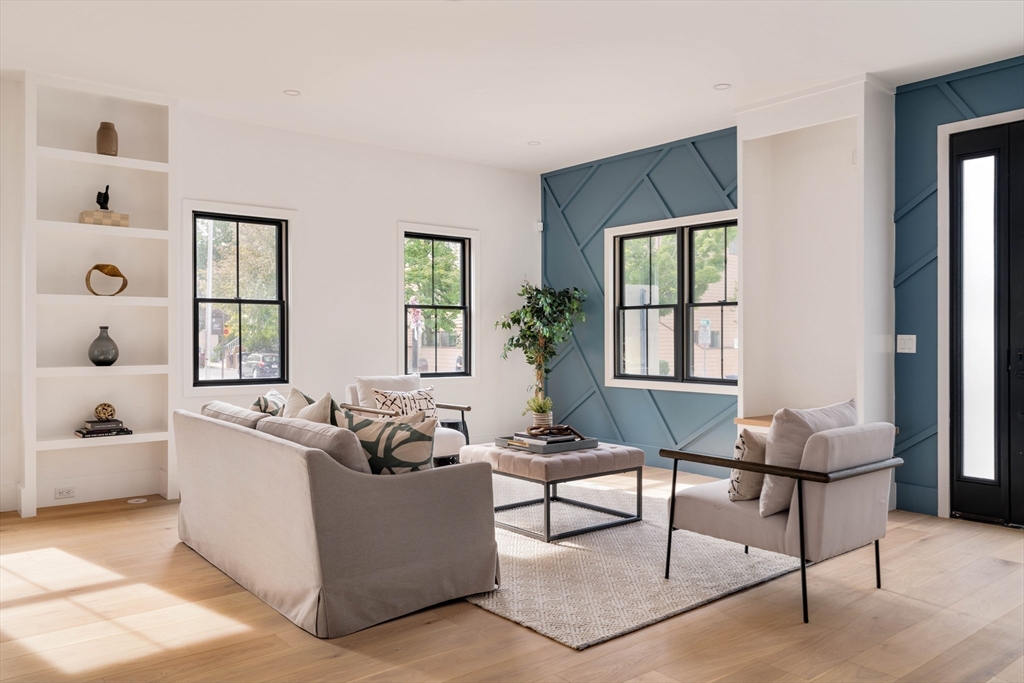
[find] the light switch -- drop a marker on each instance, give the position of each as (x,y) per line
(906,343)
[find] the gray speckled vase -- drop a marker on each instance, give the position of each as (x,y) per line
(103,350)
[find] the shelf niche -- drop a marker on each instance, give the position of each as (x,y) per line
(68,119)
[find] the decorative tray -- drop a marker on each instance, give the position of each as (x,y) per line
(545,449)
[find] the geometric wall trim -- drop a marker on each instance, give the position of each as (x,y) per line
(687,177)
(920,108)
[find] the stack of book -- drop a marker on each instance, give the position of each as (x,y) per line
(95,428)
(525,439)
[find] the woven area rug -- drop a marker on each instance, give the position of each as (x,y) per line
(587,589)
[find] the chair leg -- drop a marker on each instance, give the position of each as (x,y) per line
(746,550)
(671,516)
(878,567)
(803,555)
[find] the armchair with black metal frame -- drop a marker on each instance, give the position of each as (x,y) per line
(844,507)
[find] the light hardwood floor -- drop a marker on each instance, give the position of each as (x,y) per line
(106,592)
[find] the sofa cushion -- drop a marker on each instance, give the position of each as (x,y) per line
(366,385)
(341,444)
(407,402)
(786,440)
(706,509)
(271,403)
(744,484)
(393,445)
(219,410)
(300,406)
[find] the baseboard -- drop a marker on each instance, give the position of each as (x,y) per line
(8,496)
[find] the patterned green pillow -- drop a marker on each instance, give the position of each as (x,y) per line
(392,446)
(271,404)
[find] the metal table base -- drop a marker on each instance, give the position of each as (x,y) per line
(551,496)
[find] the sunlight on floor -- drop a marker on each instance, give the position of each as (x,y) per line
(67,585)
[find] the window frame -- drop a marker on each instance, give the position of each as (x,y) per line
(621,308)
(685,227)
(466,243)
(281,301)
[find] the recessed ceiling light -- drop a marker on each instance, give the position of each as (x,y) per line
(533,143)
(723,86)
(296,93)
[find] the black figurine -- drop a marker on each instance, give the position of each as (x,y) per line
(103,199)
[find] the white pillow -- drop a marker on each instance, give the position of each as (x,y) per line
(786,440)
(366,385)
(298,406)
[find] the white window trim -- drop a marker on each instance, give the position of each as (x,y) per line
(611,286)
(944,426)
(185,330)
(474,256)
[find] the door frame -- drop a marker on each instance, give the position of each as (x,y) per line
(944,418)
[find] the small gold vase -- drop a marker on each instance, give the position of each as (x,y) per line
(106,139)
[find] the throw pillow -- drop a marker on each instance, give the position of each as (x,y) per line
(743,484)
(340,444)
(395,445)
(272,403)
(301,406)
(407,402)
(786,440)
(219,410)
(366,385)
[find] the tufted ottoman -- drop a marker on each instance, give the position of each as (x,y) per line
(556,468)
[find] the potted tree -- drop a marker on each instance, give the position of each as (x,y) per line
(544,321)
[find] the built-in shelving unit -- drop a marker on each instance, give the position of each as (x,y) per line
(61,387)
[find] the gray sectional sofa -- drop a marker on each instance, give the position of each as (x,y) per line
(332,549)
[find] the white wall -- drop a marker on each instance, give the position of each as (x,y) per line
(813,265)
(344,250)
(343,247)
(12,112)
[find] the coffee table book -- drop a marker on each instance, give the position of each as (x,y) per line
(512,442)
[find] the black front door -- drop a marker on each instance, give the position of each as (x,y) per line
(987,324)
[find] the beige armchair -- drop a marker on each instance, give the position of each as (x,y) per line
(840,503)
(359,397)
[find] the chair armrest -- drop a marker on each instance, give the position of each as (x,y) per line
(453,406)
(364,409)
(791,472)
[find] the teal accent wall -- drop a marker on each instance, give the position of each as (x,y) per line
(920,109)
(692,176)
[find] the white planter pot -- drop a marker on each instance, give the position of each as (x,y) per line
(542,419)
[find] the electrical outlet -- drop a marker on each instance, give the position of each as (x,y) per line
(68,492)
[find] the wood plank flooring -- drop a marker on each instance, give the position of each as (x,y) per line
(106,592)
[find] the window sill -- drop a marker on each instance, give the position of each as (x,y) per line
(688,387)
(253,390)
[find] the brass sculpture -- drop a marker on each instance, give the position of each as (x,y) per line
(110,270)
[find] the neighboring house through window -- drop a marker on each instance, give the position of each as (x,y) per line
(239,312)
(437,306)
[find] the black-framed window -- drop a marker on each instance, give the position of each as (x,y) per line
(239,308)
(437,306)
(676,323)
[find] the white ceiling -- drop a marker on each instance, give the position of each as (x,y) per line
(478,80)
